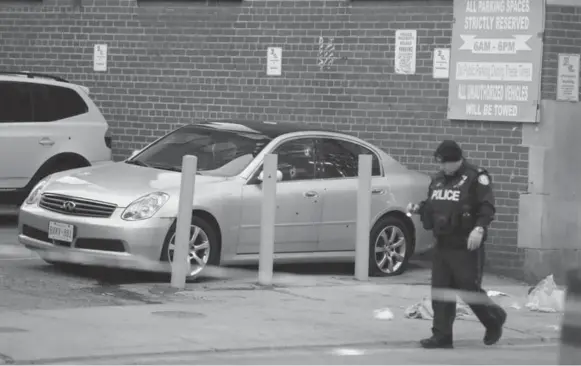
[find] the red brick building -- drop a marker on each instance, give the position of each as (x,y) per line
(171,62)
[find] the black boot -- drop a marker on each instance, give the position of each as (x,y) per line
(434,342)
(493,334)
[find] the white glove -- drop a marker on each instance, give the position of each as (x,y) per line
(475,238)
(412,208)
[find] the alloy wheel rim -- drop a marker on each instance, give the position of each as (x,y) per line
(390,249)
(198,250)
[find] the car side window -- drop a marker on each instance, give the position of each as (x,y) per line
(53,103)
(340,159)
(296,159)
(15,102)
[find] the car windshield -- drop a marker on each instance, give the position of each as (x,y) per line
(220,152)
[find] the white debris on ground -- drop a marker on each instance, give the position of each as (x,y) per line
(546,297)
(514,304)
(556,328)
(347,352)
(423,310)
(383,314)
(492,293)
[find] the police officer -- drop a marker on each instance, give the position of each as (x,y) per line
(459,209)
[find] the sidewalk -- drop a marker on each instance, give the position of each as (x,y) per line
(220,316)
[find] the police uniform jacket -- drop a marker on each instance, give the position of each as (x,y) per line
(458,203)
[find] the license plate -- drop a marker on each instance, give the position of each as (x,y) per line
(60,231)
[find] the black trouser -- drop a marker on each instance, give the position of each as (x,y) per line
(460,269)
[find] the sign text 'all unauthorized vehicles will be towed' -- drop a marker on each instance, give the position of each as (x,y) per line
(497,55)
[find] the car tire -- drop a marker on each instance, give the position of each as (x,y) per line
(397,251)
(207,232)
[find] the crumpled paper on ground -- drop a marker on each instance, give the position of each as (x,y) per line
(423,310)
(383,314)
(546,297)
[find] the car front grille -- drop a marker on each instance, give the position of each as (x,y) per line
(76,206)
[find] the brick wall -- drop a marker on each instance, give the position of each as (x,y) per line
(562,35)
(172,63)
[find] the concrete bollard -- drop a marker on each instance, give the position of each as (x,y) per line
(267,219)
(180,263)
(363,218)
(570,350)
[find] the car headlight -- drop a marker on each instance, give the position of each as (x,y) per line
(34,195)
(145,207)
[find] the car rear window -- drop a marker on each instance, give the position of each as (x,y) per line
(53,103)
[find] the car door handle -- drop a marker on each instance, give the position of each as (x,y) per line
(311,194)
(377,191)
(45,141)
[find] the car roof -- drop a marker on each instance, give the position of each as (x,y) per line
(269,129)
(37,78)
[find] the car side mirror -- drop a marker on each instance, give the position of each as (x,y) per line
(278,176)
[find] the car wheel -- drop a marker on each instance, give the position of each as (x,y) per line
(390,247)
(204,248)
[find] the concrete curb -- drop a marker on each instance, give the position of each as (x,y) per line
(151,356)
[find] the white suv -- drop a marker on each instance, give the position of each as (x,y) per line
(47,125)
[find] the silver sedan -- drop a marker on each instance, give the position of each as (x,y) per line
(124,214)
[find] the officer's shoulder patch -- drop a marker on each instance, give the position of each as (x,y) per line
(483,179)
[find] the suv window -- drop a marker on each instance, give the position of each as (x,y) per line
(296,159)
(53,103)
(15,102)
(340,159)
(29,102)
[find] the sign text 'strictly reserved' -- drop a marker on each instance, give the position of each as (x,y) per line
(497,48)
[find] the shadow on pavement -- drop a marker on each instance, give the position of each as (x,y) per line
(8,221)
(112,276)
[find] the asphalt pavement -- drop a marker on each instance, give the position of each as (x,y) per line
(35,297)
(27,282)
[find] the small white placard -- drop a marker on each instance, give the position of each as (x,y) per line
(405,51)
(568,78)
(441,68)
(274,61)
(100,57)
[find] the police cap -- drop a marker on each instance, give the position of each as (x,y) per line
(448,151)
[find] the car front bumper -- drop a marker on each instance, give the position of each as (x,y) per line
(110,242)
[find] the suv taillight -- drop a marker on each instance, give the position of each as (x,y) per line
(108,139)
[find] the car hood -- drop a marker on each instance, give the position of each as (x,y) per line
(119,183)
